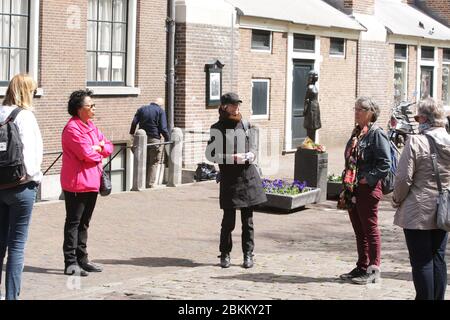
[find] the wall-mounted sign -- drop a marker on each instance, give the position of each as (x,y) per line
(213,83)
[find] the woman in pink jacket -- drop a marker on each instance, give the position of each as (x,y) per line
(84,148)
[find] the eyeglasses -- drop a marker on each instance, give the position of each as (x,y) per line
(90,106)
(357,109)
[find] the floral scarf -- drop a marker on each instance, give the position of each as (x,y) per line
(349,180)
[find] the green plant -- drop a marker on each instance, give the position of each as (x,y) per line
(334,178)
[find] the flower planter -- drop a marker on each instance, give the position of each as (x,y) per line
(334,189)
(288,202)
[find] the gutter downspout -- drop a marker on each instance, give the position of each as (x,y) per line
(171,65)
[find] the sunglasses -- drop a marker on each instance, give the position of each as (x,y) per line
(90,106)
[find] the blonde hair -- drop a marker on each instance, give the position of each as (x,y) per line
(20,91)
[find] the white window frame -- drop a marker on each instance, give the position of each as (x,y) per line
(446,64)
(427,63)
(338,55)
(262,116)
(129,88)
(405,97)
(33,46)
(270,42)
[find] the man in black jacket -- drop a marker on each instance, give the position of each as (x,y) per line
(152,119)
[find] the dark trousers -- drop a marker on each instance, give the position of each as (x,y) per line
(228,224)
(79,208)
(427,257)
(364,218)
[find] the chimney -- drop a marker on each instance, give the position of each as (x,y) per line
(360,6)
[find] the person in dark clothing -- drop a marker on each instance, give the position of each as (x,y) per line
(152,119)
(367,162)
(232,146)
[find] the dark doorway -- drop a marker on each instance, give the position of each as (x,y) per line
(300,78)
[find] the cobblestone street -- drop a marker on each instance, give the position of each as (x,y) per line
(163,244)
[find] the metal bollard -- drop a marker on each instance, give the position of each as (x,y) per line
(140,160)
(175,158)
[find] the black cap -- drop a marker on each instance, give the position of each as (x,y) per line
(230,98)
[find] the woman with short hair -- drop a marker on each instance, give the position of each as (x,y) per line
(415,195)
(367,162)
(84,148)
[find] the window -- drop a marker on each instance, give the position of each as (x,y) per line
(261,40)
(14,38)
(260,98)
(400,51)
(427,53)
(107,42)
(337,46)
(303,42)
(400,73)
(426,82)
(447,55)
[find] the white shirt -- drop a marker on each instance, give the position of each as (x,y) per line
(31,139)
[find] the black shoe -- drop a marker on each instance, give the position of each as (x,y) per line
(91,267)
(353,274)
(76,270)
(225,260)
(248,260)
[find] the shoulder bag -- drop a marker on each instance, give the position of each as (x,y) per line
(443,210)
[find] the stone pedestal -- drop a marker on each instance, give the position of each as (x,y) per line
(312,167)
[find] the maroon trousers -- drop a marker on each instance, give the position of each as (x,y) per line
(364,218)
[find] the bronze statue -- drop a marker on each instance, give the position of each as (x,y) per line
(312,111)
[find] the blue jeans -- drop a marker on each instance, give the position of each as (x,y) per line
(16,205)
(427,256)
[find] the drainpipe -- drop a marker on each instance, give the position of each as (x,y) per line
(171,65)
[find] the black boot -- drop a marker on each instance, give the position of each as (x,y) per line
(248,260)
(225,260)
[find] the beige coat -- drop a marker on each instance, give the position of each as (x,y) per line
(415,189)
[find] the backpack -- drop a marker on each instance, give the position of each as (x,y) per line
(387,183)
(12,168)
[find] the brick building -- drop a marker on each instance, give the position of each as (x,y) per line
(358,47)
(267,54)
(117,48)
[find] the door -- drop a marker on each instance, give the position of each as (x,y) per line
(300,78)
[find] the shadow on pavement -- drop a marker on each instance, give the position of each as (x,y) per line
(275,211)
(154,262)
(31,269)
(272,278)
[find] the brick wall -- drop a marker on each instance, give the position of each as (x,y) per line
(412,72)
(438,9)
(337,93)
(197,45)
(62,69)
(263,65)
(376,75)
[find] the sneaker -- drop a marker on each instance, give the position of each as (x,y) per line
(248,260)
(373,275)
(353,274)
(225,260)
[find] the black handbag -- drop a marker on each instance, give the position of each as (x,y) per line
(105,184)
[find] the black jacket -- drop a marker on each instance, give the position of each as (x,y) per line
(152,119)
(240,184)
(374,160)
